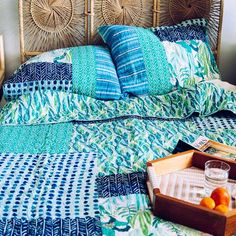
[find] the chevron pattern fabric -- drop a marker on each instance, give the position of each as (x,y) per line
(186,30)
(122,184)
(38,76)
(41,71)
(47,227)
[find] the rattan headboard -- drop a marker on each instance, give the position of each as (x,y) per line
(52,24)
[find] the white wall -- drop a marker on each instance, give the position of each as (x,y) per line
(9,28)
(228,45)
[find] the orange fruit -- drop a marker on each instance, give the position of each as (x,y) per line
(208,202)
(222,208)
(220,196)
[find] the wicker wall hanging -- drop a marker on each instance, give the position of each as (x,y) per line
(125,12)
(170,12)
(51,24)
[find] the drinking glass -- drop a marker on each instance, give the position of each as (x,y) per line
(216,175)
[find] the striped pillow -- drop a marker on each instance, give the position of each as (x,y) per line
(86,70)
(140,59)
(94,73)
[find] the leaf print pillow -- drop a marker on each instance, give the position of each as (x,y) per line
(188,53)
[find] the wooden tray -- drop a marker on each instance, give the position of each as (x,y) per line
(214,148)
(206,145)
(184,212)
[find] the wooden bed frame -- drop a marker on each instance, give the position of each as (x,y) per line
(2,61)
(46,25)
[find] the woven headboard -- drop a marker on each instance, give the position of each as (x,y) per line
(52,24)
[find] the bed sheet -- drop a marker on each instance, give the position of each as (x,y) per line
(123,135)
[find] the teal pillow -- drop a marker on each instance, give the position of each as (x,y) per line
(94,73)
(140,59)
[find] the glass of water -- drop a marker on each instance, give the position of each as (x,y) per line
(216,175)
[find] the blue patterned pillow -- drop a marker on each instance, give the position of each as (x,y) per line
(140,59)
(86,70)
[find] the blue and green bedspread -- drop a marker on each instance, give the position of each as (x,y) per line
(74,165)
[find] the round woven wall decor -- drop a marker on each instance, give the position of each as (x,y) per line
(51,24)
(52,15)
(122,11)
(182,10)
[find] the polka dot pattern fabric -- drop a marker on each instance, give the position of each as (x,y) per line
(48,186)
(14,90)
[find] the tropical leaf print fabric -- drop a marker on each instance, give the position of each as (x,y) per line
(190,62)
(122,145)
(53,107)
(188,52)
(131,215)
(124,148)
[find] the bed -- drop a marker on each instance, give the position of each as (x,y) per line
(73,154)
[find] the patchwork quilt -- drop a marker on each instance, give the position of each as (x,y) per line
(82,168)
